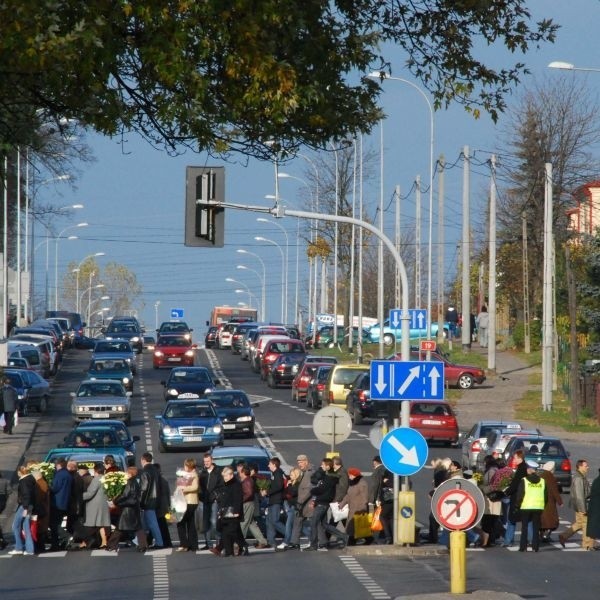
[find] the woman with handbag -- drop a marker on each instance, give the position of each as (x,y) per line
(357,500)
(490,522)
(188,483)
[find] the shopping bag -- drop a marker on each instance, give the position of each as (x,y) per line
(2,420)
(376,524)
(338,514)
(16,418)
(178,503)
(362,525)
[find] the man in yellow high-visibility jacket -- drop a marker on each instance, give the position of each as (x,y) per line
(531,499)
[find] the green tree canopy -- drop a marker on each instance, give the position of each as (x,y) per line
(224,75)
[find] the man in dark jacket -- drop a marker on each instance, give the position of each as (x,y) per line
(323,492)
(163,507)
(210,484)
(230,510)
(150,494)
(60,496)
(511,493)
(10,400)
(275,499)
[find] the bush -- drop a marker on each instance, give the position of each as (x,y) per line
(535,334)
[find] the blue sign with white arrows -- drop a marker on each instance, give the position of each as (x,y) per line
(418,318)
(403,451)
(177,313)
(407,380)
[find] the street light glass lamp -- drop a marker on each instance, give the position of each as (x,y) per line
(559,64)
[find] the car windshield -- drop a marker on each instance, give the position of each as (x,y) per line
(101,366)
(174,327)
(173,341)
(344,376)
(122,328)
(233,461)
(112,347)
(15,379)
(430,409)
(189,377)
(189,411)
(89,390)
(92,438)
(286,347)
(228,400)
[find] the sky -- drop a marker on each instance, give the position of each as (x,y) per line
(133,194)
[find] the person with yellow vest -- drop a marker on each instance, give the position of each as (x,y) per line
(532,496)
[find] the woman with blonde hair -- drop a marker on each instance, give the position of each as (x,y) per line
(188,483)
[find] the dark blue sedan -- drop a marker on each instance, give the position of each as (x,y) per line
(189,383)
(235,411)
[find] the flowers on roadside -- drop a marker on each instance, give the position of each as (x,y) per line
(477,478)
(113,483)
(47,469)
(501,479)
(262,484)
(184,478)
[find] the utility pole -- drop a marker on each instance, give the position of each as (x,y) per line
(440,241)
(466,255)
(526,328)
(492,271)
(548,329)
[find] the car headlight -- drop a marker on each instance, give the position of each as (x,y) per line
(217,428)
(167,430)
(125,380)
(244,419)
(172,392)
(158,353)
(135,339)
(118,408)
(21,396)
(189,353)
(208,390)
(81,409)
(187,336)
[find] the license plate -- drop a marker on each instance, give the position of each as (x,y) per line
(188,395)
(174,359)
(431,422)
(228,426)
(100,415)
(192,438)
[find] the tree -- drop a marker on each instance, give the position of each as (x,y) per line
(558,122)
(225,75)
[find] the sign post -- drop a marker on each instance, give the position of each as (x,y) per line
(332,425)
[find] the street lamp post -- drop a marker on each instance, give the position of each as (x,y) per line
(77,270)
(56,259)
(287,260)
(89,289)
(566,66)
(156,305)
(245,268)
(381,75)
(250,295)
(259,238)
(264,279)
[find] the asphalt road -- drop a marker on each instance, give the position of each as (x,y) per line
(286,428)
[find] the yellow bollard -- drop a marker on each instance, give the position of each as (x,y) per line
(458,562)
(332,454)
(406,518)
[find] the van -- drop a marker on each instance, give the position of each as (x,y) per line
(340,380)
(76,325)
(45,346)
(32,354)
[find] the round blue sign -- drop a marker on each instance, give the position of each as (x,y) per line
(404,451)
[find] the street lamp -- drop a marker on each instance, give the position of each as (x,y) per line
(245,268)
(89,289)
(382,75)
(566,66)
(250,295)
(264,279)
(77,303)
(56,259)
(156,305)
(259,238)
(287,259)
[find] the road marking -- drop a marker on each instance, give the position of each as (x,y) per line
(161,575)
(375,590)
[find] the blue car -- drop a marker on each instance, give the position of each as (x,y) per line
(189,424)
(99,427)
(187,383)
(111,368)
(394,334)
(86,456)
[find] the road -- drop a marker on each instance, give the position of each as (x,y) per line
(286,428)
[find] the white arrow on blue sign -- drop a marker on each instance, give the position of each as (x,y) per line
(403,451)
(407,380)
(177,313)
(418,318)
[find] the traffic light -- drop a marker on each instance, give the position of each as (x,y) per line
(204,219)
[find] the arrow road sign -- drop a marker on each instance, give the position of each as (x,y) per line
(177,313)
(403,451)
(418,318)
(407,380)
(458,504)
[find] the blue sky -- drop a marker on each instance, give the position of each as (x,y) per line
(134,194)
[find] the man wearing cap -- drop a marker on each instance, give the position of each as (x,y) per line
(580,491)
(531,499)
(304,507)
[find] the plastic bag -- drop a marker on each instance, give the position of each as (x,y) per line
(376,524)
(338,514)
(178,503)
(362,525)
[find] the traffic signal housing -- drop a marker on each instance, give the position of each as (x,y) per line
(204,218)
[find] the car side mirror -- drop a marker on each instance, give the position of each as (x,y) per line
(195,346)
(163,383)
(136,438)
(129,394)
(217,381)
(72,394)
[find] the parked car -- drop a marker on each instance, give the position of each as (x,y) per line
(339,382)
(189,424)
(111,368)
(37,361)
(172,350)
(275,347)
(33,391)
(301,381)
(210,339)
(121,430)
(235,411)
(542,449)
(189,382)
(392,335)
(324,337)
(317,387)
(101,399)
(474,440)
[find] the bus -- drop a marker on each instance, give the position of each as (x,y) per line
(226,314)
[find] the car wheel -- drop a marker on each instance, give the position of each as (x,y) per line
(357,418)
(250,432)
(43,405)
(155,366)
(388,339)
(308,400)
(162,448)
(294,397)
(465,381)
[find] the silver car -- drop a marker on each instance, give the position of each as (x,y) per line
(101,399)
(473,443)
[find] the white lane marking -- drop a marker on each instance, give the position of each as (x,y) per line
(161,575)
(375,590)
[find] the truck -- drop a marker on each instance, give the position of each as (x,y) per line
(225,314)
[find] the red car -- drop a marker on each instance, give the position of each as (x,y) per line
(435,421)
(302,379)
(173,350)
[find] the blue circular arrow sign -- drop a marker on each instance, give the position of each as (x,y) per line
(404,451)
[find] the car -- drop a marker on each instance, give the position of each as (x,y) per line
(37,361)
(101,399)
(225,335)
(235,411)
(263,335)
(435,420)
(111,368)
(246,341)
(189,382)
(495,442)
(84,456)
(13,362)
(121,430)
(542,449)
(76,325)
(101,439)
(149,342)
(210,340)
(330,360)
(359,405)
(173,349)
(473,441)
(276,346)
(113,348)
(180,327)
(33,391)
(128,329)
(391,335)
(301,381)
(237,337)
(189,424)
(339,382)
(315,392)
(231,456)
(324,337)
(284,369)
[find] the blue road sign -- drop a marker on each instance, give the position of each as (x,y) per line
(404,451)
(407,380)
(418,318)
(177,313)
